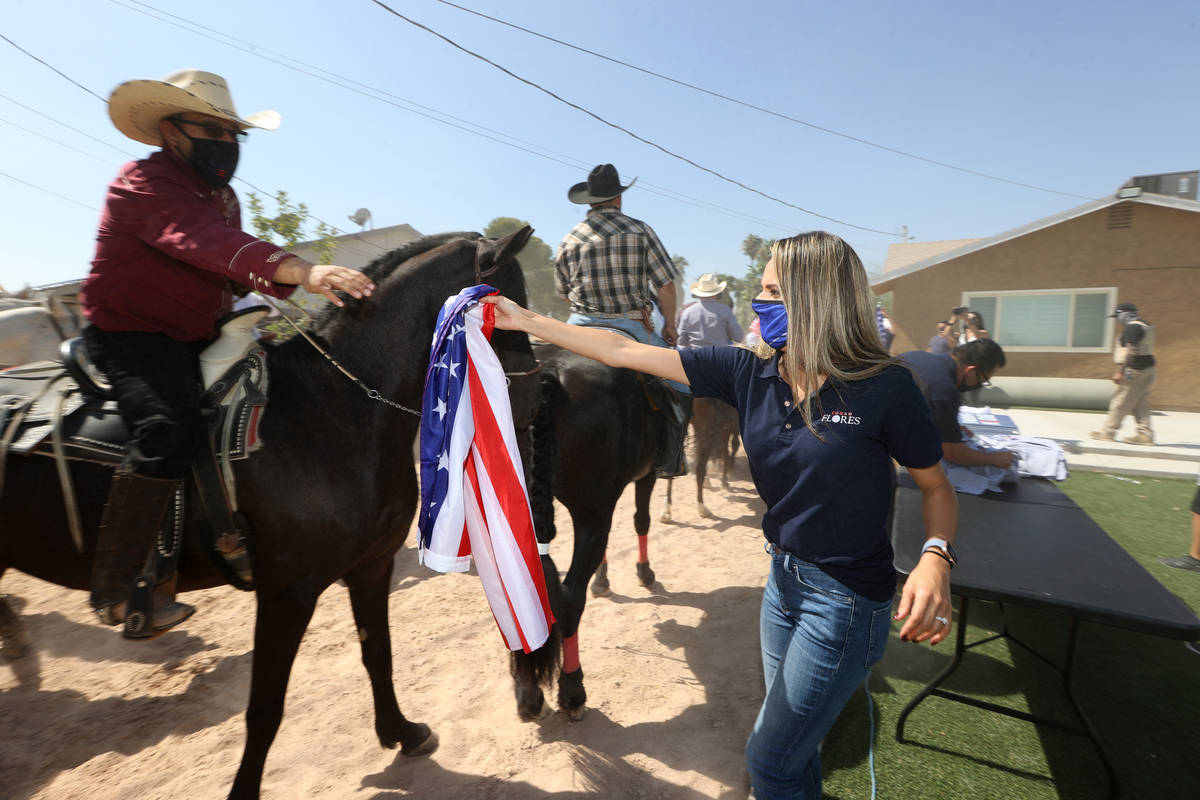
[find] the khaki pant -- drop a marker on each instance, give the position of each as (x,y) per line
(1131,396)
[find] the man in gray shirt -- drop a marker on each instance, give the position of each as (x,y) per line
(708,320)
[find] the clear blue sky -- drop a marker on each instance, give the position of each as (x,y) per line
(1074,96)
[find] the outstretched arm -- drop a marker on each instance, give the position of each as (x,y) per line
(324,279)
(606,347)
(925,600)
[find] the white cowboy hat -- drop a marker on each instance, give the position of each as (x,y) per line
(136,107)
(708,286)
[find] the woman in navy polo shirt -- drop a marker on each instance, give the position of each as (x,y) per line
(823,411)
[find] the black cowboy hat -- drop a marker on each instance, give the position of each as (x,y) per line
(603,183)
(1123,307)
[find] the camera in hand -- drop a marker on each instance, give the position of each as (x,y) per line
(959,310)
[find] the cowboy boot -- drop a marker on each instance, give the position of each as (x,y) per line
(129,527)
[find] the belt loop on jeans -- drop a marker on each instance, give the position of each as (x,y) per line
(774,550)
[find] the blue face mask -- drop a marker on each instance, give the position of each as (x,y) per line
(772,321)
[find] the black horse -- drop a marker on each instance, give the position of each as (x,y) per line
(597,430)
(332,494)
(714,435)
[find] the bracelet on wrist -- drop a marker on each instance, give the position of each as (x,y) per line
(940,555)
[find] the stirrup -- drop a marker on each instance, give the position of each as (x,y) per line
(238,560)
(149,614)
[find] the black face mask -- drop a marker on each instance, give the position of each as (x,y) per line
(213,160)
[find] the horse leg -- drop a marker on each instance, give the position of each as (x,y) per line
(641,523)
(278,628)
(591,540)
(666,514)
(728,448)
(703,451)
(369,585)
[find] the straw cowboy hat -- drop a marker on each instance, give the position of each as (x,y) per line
(136,107)
(603,183)
(708,286)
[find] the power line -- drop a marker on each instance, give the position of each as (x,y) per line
(626,131)
(406,104)
(569,161)
(769,111)
(92,155)
(65,125)
(49,139)
(47,191)
(47,66)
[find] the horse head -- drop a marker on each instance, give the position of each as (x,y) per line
(394,326)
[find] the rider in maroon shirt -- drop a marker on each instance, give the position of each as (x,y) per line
(168,253)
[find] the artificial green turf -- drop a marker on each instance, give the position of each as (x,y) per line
(1141,692)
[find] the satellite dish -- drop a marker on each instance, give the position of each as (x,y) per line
(361,217)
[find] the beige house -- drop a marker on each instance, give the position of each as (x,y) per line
(1045,290)
(359,249)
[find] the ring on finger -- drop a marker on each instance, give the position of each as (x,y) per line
(943,620)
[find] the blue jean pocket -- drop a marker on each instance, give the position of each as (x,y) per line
(815,579)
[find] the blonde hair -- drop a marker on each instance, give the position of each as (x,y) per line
(831,317)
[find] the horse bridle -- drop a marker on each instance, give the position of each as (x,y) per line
(375,394)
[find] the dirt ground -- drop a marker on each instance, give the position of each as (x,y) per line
(672,675)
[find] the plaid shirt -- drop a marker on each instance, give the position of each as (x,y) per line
(609,263)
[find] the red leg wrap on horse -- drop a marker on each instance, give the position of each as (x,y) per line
(642,557)
(570,653)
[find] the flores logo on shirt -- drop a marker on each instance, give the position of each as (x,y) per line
(842,418)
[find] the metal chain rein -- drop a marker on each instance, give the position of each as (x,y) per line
(374,394)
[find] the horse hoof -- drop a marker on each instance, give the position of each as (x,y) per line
(666,515)
(600,586)
(577,714)
(424,748)
(702,510)
(645,574)
(531,705)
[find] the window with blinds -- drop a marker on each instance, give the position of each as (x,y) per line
(1062,320)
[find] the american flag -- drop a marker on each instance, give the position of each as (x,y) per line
(473,496)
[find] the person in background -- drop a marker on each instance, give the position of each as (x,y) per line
(708,320)
(753,338)
(169,249)
(883,323)
(606,267)
(1134,357)
(943,377)
(940,341)
(823,411)
(972,328)
(1191,560)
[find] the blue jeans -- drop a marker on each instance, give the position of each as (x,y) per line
(634,328)
(819,640)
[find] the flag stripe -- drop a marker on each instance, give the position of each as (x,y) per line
(474,502)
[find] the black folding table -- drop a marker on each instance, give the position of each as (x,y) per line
(1032,546)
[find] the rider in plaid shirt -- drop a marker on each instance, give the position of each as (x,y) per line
(608,263)
(607,267)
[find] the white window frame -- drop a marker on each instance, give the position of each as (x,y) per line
(1109,334)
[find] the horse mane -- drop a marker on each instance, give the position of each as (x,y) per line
(381,267)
